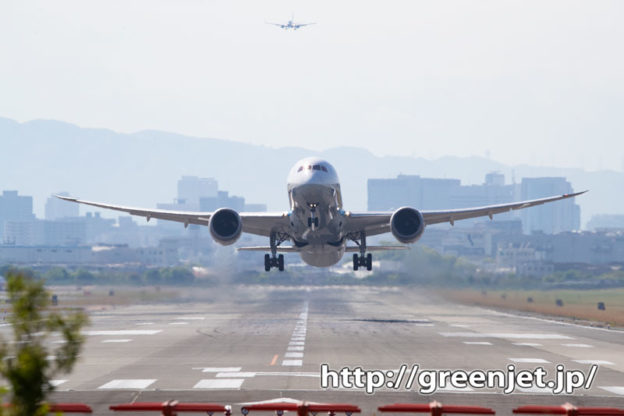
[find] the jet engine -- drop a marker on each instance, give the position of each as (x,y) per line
(407,225)
(225,226)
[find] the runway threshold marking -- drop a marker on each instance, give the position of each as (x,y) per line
(274,360)
(614,389)
(224,384)
(127,384)
(529,360)
(599,362)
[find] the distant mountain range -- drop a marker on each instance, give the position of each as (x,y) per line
(42,157)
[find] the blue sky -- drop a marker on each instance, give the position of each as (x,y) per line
(539,82)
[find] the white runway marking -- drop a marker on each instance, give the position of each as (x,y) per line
(128,384)
(289,374)
(57,383)
(460,325)
(145,323)
(224,383)
(527,344)
(125,332)
(578,345)
(219,369)
(295,348)
(296,343)
(292,363)
(297,339)
(116,340)
(477,343)
(533,390)
(178,323)
(529,360)
(511,335)
(599,362)
(614,389)
(454,389)
(236,374)
(293,355)
(192,318)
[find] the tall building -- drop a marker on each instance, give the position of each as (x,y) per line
(56,208)
(14,207)
(430,193)
(192,188)
(549,218)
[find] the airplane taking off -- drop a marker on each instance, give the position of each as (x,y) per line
(317,226)
(290,25)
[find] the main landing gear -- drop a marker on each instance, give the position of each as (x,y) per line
(273,260)
(362,259)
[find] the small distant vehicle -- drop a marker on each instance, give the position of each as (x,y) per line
(291,25)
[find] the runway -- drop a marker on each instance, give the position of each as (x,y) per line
(234,345)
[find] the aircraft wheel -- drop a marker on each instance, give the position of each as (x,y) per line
(280,262)
(369,262)
(356,262)
(267,262)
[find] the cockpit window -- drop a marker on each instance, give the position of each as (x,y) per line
(312,167)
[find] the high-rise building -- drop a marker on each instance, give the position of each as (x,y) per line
(192,188)
(14,207)
(56,208)
(549,218)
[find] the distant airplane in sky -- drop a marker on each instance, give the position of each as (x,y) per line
(317,226)
(291,25)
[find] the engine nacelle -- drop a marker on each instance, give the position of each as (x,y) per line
(407,225)
(225,226)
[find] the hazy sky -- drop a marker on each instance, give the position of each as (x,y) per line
(538,82)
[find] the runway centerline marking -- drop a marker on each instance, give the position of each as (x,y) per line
(116,340)
(578,345)
(527,344)
(297,340)
(477,343)
(133,384)
(293,355)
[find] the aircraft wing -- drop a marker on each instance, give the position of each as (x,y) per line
(374,223)
(298,25)
(259,223)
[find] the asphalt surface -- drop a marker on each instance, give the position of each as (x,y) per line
(238,345)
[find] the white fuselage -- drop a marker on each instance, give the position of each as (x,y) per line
(316,214)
